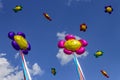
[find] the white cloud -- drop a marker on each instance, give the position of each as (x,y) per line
(9,72)
(61,35)
(70,1)
(17,76)
(2,54)
(64,59)
(36,70)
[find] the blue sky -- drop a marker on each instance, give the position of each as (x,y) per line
(67,15)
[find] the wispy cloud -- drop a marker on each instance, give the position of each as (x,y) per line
(9,72)
(36,70)
(1,5)
(17,55)
(70,1)
(2,54)
(64,59)
(61,35)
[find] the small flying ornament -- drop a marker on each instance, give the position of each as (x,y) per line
(108,9)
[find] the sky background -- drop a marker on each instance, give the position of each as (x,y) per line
(67,15)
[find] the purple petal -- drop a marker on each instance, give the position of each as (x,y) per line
(11,35)
(21,33)
(15,45)
(29,46)
(25,52)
